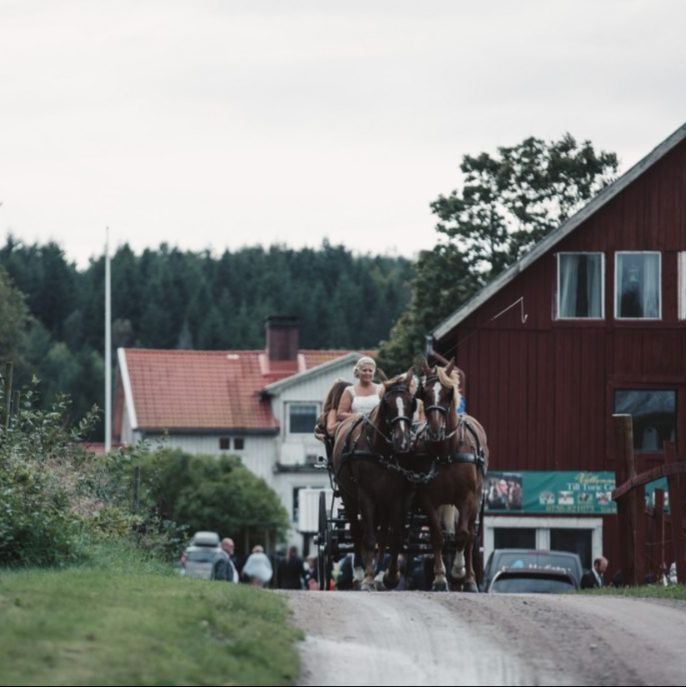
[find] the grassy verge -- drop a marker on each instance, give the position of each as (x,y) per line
(650,591)
(135,623)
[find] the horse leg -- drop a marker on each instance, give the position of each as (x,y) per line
(463,568)
(352,508)
(392,576)
(440,583)
(381,539)
(368,542)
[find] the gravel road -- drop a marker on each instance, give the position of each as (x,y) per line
(416,638)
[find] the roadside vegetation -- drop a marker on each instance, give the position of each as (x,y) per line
(89,593)
(122,618)
(648,591)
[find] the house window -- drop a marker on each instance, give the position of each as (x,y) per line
(637,286)
(302,417)
(580,280)
(225,443)
(682,286)
(654,416)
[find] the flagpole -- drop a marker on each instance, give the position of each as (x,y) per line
(108,345)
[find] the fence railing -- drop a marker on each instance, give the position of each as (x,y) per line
(631,506)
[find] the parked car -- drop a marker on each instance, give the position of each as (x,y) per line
(514,559)
(199,556)
(205,539)
(532,581)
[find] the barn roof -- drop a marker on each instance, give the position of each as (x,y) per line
(555,236)
(181,390)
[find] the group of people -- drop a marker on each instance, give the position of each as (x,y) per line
(257,569)
(292,572)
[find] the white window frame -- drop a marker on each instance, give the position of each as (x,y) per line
(602,286)
(289,405)
(682,285)
(659,282)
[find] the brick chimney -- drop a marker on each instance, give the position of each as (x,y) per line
(282,337)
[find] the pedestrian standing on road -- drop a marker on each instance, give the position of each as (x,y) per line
(594,578)
(290,572)
(224,567)
(258,568)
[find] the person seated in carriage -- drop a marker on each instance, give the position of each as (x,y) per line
(325,428)
(363,396)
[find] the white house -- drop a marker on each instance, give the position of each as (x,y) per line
(260,405)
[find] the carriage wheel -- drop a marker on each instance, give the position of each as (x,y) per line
(324,562)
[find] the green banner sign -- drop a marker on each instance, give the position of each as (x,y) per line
(550,492)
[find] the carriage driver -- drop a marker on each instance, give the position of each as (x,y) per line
(363,396)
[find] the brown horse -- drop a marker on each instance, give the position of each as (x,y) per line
(367,449)
(459,446)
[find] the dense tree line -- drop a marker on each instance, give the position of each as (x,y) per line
(168,298)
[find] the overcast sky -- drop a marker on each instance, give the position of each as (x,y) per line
(217,124)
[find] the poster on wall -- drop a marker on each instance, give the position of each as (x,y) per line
(550,492)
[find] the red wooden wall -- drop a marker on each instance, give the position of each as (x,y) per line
(544,389)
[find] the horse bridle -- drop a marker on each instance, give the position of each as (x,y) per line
(443,410)
(391,422)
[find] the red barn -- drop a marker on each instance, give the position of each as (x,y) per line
(591,322)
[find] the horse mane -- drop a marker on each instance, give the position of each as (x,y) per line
(402,378)
(452,380)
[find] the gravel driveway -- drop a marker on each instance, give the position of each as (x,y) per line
(417,638)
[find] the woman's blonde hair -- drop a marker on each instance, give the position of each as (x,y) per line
(364,360)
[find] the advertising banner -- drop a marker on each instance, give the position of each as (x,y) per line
(583,493)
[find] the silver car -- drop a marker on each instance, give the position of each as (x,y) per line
(198,558)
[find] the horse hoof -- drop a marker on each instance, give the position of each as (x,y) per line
(368,585)
(440,585)
(470,587)
(391,582)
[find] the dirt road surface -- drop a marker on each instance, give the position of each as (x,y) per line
(418,638)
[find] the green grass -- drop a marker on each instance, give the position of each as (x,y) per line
(649,591)
(132,622)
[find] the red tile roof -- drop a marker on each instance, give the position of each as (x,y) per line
(194,390)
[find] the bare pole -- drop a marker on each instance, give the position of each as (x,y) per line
(108,345)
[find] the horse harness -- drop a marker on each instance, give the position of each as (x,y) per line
(351,452)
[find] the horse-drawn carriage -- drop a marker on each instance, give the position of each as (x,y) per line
(417,491)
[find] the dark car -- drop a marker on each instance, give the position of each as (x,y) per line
(532,581)
(513,559)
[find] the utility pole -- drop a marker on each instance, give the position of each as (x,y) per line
(108,346)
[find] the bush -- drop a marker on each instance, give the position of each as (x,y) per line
(208,493)
(40,488)
(58,501)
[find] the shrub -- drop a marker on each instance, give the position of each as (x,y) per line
(40,521)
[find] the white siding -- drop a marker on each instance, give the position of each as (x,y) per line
(295,447)
(259,454)
(285,483)
(128,436)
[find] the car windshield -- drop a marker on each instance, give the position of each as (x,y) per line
(523,559)
(536,584)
